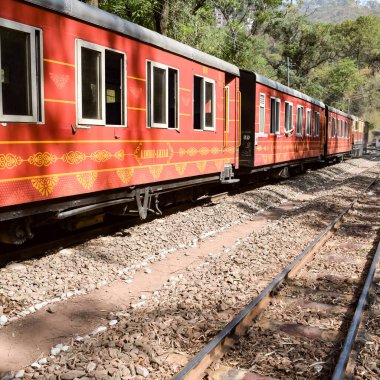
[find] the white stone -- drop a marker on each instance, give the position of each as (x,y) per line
(42,361)
(35,365)
(20,374)
(113,322)
(143,297)
(142,371)
(91,366)
(65,348)
(32,309)
(66,252)
(38,306)
(55,351)
(79,339)
(3,320)
(16,266)
(99,330)
(147,270)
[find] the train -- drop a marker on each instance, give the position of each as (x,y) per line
(102,116)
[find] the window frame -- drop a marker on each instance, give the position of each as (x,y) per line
(315,124)
(37,84)
(86,122)
(291,107)
(150,96)
(308,122)
(263,121)
(203,103)
(277,116)
(299,134)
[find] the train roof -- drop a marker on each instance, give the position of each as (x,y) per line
(287,90)
(98,17)
(339,112)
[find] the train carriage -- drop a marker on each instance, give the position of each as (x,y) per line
(338,138)
(92,106)
(280,126)
(358,136)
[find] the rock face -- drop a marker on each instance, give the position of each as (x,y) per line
(191,307)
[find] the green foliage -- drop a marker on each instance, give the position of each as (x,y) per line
(337,63)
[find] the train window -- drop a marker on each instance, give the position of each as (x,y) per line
(308,122)
(20,72)
(100,85)
(204,103)
(316,123)
(162,96)
(288,117)
(333,127)
(299,122)
(262,113)
(275,107)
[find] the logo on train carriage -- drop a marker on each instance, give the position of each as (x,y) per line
(162,154)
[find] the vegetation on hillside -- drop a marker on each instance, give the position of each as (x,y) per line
(337,63)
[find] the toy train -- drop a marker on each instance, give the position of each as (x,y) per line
(99,115)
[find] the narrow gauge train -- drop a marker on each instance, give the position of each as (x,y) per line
(99,115)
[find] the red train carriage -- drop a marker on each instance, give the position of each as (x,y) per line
(92,106)
(279,125)
(338,138)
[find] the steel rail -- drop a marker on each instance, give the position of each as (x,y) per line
(225,339)
(340,368)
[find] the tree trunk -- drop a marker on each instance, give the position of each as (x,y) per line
(161,17)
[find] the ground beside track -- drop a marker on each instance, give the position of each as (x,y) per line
(104,260)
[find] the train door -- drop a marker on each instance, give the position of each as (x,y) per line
(248,111)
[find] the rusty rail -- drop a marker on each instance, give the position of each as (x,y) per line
(226,338)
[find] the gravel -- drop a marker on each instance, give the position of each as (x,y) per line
(157,336)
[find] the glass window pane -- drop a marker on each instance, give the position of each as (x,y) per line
(262,119)
(278,109)
(209,104)
(272,115)
(262,113)
(114,63)
(287,116)
(15,72)
(197,102)
(91,93)
(173,98)
(159,95)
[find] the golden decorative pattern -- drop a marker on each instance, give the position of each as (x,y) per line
(73,157)
(100,155)
(156,171)
(87,180)
(215,150)
(42,159)
(182,152)
(9,161)
(120,154)
(219,164)
(181,167)
(125,174)
(192,151)
(46,185)
(201,166)
(204,151)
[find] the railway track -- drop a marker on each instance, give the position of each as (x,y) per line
(306,301)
